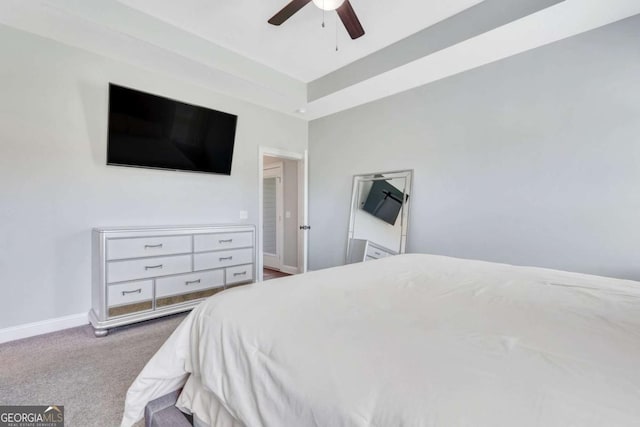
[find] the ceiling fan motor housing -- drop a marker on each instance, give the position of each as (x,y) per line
(328,4)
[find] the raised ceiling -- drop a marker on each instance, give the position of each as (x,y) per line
(227,45)
(300,47)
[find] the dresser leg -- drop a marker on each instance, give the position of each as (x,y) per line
(99,333)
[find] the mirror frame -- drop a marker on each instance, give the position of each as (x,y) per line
(404,213)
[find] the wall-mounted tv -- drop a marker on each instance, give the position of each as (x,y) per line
(150,131)
(384,201)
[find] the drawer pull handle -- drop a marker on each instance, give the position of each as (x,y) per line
(225,241)
(151,267)
(377,253)
(229,258)
(137,291)
(239,274)
(153,246)
(191,282)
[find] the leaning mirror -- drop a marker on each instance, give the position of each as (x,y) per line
(379,215)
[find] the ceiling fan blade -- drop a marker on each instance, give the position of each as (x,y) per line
(288,11)
(350,20)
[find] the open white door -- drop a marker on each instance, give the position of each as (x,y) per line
(303,209)
(272,207)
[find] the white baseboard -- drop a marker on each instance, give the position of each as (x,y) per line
(43,327)
(289,269)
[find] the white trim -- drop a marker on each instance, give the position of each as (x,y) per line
(289,269)
(274,152)
(43,327)
(278,152)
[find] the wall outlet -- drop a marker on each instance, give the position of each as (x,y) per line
(244,215)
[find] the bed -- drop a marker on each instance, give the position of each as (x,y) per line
(410,340)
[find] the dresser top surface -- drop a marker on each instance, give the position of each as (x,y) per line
(174,228)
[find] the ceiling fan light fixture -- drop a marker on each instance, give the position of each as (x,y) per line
(328,4)
(343,9)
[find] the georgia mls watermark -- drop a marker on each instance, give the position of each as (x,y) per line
(32,416)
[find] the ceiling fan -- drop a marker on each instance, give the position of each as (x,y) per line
(342,7)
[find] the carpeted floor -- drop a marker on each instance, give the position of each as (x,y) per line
(89,376)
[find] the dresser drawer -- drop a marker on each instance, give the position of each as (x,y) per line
(211,260)
(218,241)
(241,273)
(147,246)
(187,283)
(129,293)
(184,298)
(374,252)
(121,271)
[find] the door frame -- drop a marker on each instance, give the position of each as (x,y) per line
(278,257)
(303,203)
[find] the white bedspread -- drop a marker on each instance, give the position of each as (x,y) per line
(411,340)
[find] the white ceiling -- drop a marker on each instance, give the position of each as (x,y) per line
(228,47)
(300,47)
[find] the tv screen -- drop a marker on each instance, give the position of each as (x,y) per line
(154,132)
(384,201)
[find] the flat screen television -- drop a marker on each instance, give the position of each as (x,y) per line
(151,131)
(384,201)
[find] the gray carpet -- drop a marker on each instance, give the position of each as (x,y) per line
(89,376)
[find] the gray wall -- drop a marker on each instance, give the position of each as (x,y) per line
(55,186)
(533,160)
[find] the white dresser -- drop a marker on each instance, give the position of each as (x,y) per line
(365,250)
(143,273)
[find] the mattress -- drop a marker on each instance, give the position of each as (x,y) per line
(411,340)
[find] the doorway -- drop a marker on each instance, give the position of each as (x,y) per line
(282,220)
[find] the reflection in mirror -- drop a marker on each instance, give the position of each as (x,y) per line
(379,215)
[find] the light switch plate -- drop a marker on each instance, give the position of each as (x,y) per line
(287,214)
(244,215)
